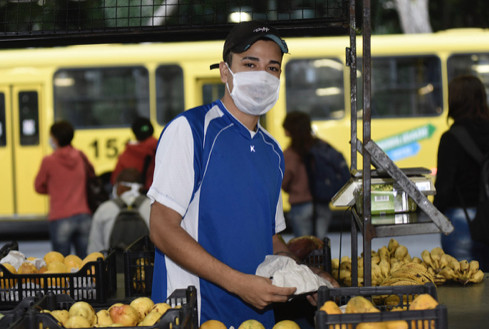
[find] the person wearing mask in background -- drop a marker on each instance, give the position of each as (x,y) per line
(126,194)
(297,126)
(62,176)
(217,206)
(458,175)
(139,154)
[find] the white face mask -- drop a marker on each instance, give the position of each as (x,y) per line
(254,92)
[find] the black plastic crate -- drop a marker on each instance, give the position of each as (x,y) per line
(8,317)
(320,258)
(419,319)
(139,264)
(95,282)
(181,315)
(138,267)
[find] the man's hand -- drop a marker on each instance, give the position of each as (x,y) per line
(260,292)
(313,298)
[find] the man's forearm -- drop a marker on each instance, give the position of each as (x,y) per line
(177,244)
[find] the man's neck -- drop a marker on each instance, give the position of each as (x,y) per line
(248,120)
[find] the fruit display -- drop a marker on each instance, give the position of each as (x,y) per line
(393,265)
(59,311)
(141,311)
(360,305)
(250,324)
(138,267)
(92,278)
(52,262)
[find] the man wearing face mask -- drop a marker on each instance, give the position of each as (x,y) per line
(216,192)
(126,194)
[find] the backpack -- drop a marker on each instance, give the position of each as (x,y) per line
(94,185)
(129,225)
(148,169)
(479,226)
(327,171)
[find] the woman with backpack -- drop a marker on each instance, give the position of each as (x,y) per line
(314,172)
(458,176)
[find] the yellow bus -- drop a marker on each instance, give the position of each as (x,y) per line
(101,88)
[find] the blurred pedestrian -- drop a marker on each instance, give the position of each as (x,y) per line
(127,195)
(139,154)
(305,216)
(458,175)
(62,176)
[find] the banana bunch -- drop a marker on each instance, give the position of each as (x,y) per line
(392,265)
(445,267)
(341,271)
(408,274)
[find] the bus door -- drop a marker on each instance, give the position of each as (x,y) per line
(6,153)
(22,134)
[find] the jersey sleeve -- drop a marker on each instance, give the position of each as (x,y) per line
(279,216)
(173,178)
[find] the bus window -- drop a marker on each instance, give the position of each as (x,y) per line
(103,97)
(169,93)
(3,133)
(315,86)
(28,118)
(474,64)
(404,87)
(212,91)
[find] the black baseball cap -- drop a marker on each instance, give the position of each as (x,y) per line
(243,35)
(142,128)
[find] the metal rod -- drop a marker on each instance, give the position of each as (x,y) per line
(366,68)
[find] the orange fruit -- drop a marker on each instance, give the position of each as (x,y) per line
(27,268)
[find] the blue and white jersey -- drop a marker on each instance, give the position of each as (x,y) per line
(225,181)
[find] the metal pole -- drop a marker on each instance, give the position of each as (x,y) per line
(366,68)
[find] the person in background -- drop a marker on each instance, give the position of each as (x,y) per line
(127,188)
(297,126)
(139,154)
(62,176)
(217,206)
(457,178)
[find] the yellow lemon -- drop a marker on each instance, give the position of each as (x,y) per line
(10,268)
(213,324)
(53,256)
(73,262)
(251,324)
(57,267)
(286,324)
(92,257)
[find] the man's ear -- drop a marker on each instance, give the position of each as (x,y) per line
(224,71)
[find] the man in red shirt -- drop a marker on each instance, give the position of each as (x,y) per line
(140,154)
(62,176)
